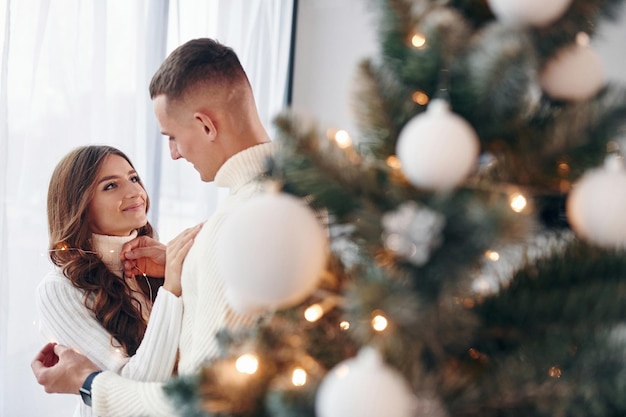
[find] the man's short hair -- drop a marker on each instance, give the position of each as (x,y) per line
(198,61)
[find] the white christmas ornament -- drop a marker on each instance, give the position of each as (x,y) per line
(272,252)
(596,207)
(574,73)
(528,12)
(364,386)
(437,149)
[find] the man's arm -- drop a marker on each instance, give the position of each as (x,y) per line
(63,370)
(113,395)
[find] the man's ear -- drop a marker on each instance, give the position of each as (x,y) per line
(207,124)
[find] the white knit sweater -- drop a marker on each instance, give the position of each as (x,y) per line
(205,307)
(64,318)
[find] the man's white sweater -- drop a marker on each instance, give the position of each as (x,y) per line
(205,308)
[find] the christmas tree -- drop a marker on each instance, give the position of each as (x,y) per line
(473,262)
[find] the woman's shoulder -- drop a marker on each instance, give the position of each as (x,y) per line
(55,282)
(55,275)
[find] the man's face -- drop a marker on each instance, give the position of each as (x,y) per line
(188,138)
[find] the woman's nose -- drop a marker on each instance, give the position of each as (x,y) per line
(134,189)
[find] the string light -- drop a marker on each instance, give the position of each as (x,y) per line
(247,364)
(492,255)
(66,248)
(555,372)
(420,98)
(343,139)
(473,353)
(563,168)
(518,202)
(316,311)
(344,325)
(379,321)
(393,162)
(313,313)
(298,377)
(418,40)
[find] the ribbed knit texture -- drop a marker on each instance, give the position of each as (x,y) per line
(205,307)
(109,248)
(64,318)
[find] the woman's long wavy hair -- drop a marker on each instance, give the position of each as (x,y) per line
(72,187)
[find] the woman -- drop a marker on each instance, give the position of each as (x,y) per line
(97,203)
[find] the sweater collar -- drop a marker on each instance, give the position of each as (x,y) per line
(244,166)
(109,249)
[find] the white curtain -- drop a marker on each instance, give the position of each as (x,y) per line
(76,72)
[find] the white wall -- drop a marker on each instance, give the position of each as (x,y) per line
(333,36)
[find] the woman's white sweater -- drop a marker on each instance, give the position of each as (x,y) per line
(63,318)
(205,308)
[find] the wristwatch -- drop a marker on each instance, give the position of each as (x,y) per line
(85,390)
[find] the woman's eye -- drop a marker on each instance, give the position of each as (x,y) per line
(109,186)
(135,178)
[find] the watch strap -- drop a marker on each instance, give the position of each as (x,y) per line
(85,390)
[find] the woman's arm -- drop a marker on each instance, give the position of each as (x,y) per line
(65,319)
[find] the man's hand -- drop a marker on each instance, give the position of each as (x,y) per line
(143,255)
(61,369)
(177,250)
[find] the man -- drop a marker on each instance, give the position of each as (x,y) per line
(204,104)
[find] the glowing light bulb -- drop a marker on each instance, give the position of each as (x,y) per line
(492,255)
(247,364)
(393,162)
(379,322)
(343,139)
(473,353)
(313,313)
(344,325)
(418,40)
(298,377)
(420,98)
(555,372)
(518,202)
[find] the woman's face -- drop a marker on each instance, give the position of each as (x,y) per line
(119,203)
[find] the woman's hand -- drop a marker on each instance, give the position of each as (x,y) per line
(143,255)
(177,250)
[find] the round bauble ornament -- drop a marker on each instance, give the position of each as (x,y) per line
(575,73)
(364,386)
(537,13)
(272,252)
(596,206)
(437,149)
